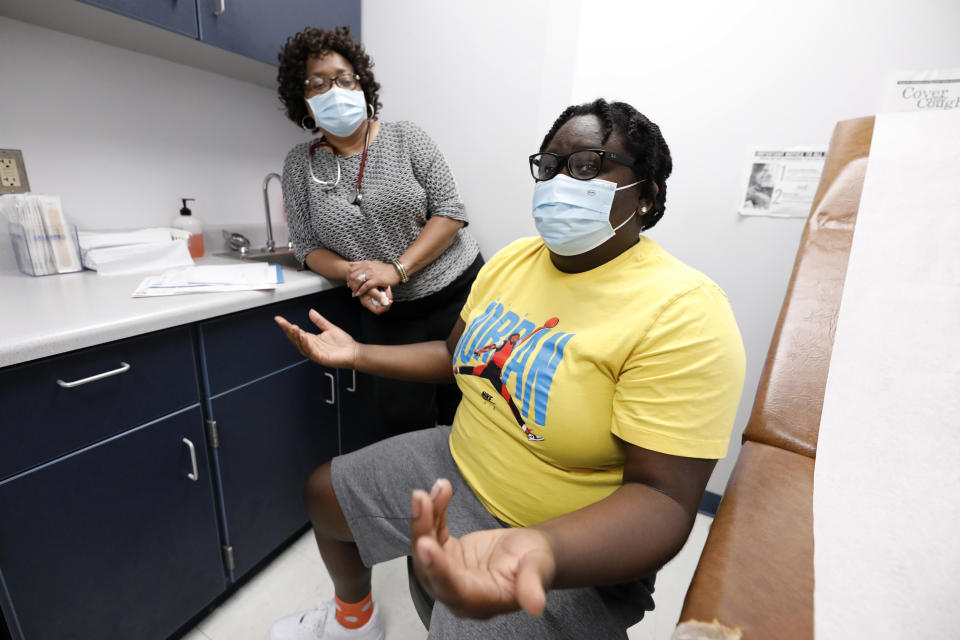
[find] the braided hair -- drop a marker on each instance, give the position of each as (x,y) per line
(312,42)
(643,140)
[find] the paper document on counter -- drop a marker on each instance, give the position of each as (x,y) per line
(211,279)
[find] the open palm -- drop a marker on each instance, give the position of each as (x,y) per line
(332,347)
(483,573)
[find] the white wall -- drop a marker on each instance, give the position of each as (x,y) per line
(121,136)
(476,80)
(717,77)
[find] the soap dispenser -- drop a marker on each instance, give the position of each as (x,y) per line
(188,222)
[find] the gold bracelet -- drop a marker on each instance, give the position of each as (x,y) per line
(403,272)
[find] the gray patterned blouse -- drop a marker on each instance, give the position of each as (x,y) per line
(405,181)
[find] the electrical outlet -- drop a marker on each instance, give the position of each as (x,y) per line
(13,173)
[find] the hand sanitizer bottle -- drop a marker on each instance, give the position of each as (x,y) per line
(187,221)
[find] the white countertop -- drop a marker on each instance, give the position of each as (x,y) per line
(48,315)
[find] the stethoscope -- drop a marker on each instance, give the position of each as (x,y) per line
(356,197)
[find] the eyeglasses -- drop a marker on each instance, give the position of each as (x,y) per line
(319,84)
(585,164)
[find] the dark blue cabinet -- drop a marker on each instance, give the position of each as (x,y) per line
(118,540)
(247,345)
(259,29)
(358,420)
(54,406)
(276,417)
(272,433)
(129,503)
(252,28)
(175,15)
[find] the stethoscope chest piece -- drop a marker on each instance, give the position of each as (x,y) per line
(355,198)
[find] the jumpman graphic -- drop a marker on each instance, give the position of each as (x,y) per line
(493,369)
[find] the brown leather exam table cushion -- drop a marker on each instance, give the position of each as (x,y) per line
(755,575)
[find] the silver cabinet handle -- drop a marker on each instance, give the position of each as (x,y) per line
(223,8)
(353,379)
(124,367)
(333,388)
(193,460)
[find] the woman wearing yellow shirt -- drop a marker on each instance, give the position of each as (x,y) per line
(626,375)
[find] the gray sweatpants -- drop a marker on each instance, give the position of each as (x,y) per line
(374,486)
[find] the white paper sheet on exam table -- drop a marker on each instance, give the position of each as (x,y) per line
(211,279)
(885,512)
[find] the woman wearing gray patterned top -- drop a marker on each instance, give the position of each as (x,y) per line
(375,205)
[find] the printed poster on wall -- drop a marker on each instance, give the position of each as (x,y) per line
(781,183)
(922,90)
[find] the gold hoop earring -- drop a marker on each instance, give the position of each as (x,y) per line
(305,127)
(371,111)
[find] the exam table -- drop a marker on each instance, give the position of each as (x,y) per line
(755,575)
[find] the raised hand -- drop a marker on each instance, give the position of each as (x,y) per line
(483,573)
(332,347)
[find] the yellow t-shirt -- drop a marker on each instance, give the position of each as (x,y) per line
(642,349)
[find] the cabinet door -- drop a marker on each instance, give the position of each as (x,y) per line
(175,15)
(53,406)
(273,433)
(114,541)
(358,420)
(259,29)
(248,345)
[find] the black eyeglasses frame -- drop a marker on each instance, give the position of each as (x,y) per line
(564,160)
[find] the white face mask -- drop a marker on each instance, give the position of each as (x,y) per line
(339,111)
(573,216)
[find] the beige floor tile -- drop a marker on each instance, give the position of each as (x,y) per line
(391,589)
(293,582)
(297,580)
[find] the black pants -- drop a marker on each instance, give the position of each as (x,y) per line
(403,406)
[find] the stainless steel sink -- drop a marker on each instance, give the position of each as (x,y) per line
(240,245)
(283,257)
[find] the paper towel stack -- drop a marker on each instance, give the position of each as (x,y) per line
(122,252)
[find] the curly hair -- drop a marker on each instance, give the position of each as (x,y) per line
(312,42)
(644,141)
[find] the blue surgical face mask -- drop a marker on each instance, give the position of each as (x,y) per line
(339,111)
(573,216)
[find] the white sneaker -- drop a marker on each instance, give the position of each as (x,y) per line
(320,623)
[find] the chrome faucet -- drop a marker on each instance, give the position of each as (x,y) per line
(266,208)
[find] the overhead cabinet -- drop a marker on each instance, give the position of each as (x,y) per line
(258,29)
(175,15)
(252,28)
